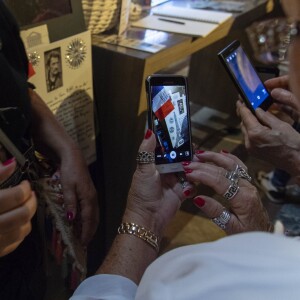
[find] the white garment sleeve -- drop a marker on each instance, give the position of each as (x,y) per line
(105,287)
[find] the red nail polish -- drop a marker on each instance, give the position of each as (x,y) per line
(186,163)
(9,161)
(224,151)
(70,216)
(199,151)
(187,193)
(188,171)
(148,134)
(198,201)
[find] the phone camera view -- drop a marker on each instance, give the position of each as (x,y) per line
(247,77)
(170,123)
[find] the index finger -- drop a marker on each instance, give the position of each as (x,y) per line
(277,82)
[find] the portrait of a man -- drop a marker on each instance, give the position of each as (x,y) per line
(53,69)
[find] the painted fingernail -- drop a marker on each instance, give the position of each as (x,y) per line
(224,151)
(186,163)
(198,201)
(70,216)
(188,171)
(9,161)
(148,134)
(199,151)
(187,193)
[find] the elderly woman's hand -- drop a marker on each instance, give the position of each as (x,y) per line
(244,210)
(17,206)
(285,101)
(154,198)
(270,139)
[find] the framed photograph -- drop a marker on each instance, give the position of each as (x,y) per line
(62,17)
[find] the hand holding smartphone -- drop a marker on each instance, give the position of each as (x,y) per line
(169,118)
(245,77)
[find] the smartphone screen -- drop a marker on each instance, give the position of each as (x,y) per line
(245,77)
(169,118)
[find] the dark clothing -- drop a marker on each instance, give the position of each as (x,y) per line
(13,79)
(21,272)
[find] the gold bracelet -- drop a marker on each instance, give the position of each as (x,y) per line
(141,232)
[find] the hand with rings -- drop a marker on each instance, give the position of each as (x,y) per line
(155,197)
(228,176)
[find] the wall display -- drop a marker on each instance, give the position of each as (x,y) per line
(62,17)
(30,12)
(63,78)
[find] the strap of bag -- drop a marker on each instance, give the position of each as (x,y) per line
(10,146)
(25,161)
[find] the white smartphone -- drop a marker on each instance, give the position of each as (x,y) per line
(169,118)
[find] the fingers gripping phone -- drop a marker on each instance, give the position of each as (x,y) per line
(169,118)
(245,77)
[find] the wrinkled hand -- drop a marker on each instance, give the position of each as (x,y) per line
(17,206)
(270,139)
(247,212)
(80,195)
(285,100)
(154,198)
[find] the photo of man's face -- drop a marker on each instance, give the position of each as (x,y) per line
(53,69)
(54,66)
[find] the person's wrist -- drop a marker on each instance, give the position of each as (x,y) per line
(71,151)
(145,218)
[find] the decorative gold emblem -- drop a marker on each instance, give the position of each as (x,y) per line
(34,58)
(76,53)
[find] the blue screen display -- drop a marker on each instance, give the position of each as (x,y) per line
(247,77)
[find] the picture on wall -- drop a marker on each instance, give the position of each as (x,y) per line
(29,12)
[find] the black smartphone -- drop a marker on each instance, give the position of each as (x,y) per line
(169,118)
(245,77)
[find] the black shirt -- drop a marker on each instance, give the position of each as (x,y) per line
(22,276)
